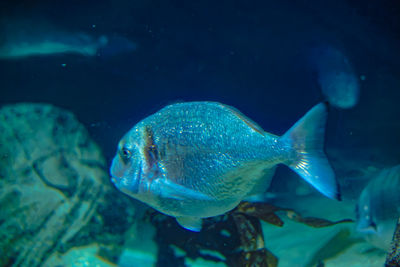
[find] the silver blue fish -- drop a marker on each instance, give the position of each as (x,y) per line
(200,159)
(378,208)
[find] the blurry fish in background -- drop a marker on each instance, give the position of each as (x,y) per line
(22,39)
(335,76)
(200,159)
(51,44)
(378,208)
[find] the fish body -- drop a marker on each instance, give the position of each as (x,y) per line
(200,159)
(22,39)
(336,77)
(378,207)
(60,43)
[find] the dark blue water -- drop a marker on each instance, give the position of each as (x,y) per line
(252,55)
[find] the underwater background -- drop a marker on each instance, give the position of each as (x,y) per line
(75,76)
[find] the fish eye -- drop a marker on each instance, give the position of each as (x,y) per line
(126,153)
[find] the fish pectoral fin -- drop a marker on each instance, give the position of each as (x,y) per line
(169,189)
(190,223)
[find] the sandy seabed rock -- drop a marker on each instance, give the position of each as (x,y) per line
(52,178)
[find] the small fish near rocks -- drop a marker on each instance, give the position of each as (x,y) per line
(378,207)
(201,159)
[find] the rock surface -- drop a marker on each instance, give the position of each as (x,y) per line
(52,180)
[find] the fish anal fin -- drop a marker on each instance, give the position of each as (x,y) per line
(191,223)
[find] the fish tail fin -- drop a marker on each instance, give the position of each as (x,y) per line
(306,138)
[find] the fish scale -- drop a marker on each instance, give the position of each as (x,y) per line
(211,149)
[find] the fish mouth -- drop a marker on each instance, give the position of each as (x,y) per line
(125,178)
(125,186)
(115,180)
(370,228)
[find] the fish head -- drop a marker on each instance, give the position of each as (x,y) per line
(365,224)
(126,166)
(364,215)
(379,233)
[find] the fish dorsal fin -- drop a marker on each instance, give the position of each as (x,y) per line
(245,119)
